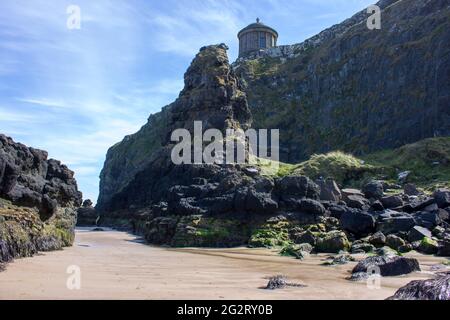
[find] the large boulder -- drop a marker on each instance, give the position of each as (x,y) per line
(260,202)
(430,219)
(299,187)
(378,239)
(333,242)
(357,222)
(29,179)
(394,242)
(392,222)
(428,246)
(418,234)
(329,190)
(355,199)
(411,189)
(388,266)
(444,248)
(442,197)
(432,289)
(312,207)
(374,190)
(392,202)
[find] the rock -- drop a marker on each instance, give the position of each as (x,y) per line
(428,246)
(281,282)
(403,176)
(432,289)
(299,251)
(42,197)
(305,247)
(312,207)
(87,216)
(442,197)
(87,203)
(351,192)
(392,202)
(340,259)
(377,206)
(373,190)
(260,202)
(395,242)
(333,242)
(386,251)
(305,237)
(418,233)
(392,222)
(362,247)
(298,187)
(357,202)
(411,189)
(388,266)
(329,190)
(406,248)
(357,222)
(444,248)
(430,219)
(418,204)
(336,211)
(438,232)
(378,240)
(277,282)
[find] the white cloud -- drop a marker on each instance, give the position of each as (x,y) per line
(44,102)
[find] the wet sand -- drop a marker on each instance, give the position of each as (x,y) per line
(116,265)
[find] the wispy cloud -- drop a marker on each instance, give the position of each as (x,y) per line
(44,102)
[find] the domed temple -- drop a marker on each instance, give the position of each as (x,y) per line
(256,36)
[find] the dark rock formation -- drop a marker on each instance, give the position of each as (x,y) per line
(442,197)
(374,190)
(434,289)
(212,96)
(393,221)
(28,179)
(87,215)
(388,266)
(358,222)
(38,201)
(329,190)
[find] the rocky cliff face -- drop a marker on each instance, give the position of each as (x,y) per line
(38,201)
(346,88)
(354,89)
(138,171)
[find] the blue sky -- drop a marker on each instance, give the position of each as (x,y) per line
(75,93)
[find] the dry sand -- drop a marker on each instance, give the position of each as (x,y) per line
(116,265)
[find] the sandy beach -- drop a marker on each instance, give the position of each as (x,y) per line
(117,265)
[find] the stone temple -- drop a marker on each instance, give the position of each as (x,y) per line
(256,36)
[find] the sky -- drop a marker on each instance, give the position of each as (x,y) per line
(76,92)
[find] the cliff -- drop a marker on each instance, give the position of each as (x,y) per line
(354,89)
(211,95)
(346,89)
(38,201)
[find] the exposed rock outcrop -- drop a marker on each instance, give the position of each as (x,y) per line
(38,201)
(433,289)
(387,266)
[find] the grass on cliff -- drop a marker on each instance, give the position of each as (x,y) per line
(427,160)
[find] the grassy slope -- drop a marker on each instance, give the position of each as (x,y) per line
(428,160)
